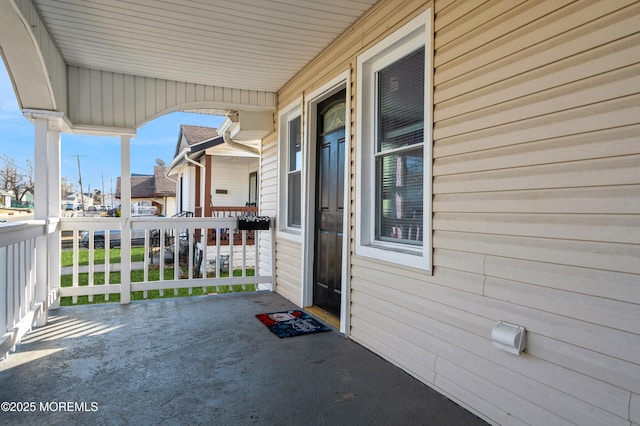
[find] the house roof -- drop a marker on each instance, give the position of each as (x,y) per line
(196,138)
(150,186)
(163,186)
(197,134)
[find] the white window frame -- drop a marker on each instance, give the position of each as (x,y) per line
(413,35)
(288,114)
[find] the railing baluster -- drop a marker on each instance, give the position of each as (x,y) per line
(256,246)
(4,291)
(74,283)
(176,258)
(11,279)
(22,280)
(161,260)
(145,261)
(232,237)
(204,243)
(30,271)
(107,261)
(4,288)
(244,257)
(91,263)
(189,258)
(148,246)
(218,260)
(29,289)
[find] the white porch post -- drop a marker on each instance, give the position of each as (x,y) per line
(47,204)
(54,232)
(125,219)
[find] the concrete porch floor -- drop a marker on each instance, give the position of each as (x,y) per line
(206,360)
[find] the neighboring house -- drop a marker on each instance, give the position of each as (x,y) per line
(156,190)
(213,173)
(436,168)
(5,198)
(26,200)
(76,199)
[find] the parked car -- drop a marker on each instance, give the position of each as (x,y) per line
(91,209)
(115,212)
(137,238)
(68,206)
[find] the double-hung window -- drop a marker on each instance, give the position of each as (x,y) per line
(290,160)
(394,141)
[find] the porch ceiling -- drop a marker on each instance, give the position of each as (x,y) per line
(243,44)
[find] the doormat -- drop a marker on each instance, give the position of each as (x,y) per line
(291,323)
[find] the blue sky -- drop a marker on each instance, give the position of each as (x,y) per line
(99,155)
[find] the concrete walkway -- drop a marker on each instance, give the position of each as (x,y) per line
(205,360)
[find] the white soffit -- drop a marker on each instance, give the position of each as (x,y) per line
(244,44)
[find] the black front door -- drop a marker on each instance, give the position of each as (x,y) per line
(327,280)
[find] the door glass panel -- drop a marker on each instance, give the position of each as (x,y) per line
(334,118)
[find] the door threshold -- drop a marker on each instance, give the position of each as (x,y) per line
(325,316)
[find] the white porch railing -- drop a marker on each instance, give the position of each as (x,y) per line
(30,269)
(23,250)
(175,253)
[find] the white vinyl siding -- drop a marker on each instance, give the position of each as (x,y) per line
(288,270)
(288,253)
(536,217)
(232,177)
(267,197)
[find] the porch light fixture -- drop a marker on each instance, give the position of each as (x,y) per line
(509,337)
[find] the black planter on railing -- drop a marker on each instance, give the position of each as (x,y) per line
(254,223)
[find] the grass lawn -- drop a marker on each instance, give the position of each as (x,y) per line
(154,275)
(66,258)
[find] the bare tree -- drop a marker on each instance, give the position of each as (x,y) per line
(66,187)
(97,196)
(15,178)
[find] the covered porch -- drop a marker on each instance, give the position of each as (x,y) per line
(207,359)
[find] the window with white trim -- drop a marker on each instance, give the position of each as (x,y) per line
(291,160)
(394,141)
